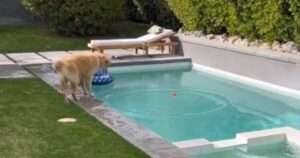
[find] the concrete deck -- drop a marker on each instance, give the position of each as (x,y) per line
(53,55)
(5,61)
(13,71)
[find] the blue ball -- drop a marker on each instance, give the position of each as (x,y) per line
(102,78)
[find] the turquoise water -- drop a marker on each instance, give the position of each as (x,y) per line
(186,104)
(280,150)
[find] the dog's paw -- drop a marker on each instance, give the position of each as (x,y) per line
(75,98)
(92,95)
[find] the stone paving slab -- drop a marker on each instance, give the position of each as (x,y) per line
(79,51)
(13,71)
(53,55)
(5,61)
(27,58)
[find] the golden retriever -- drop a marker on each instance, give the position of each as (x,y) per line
(78,69)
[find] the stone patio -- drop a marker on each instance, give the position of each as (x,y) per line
(53,55)
(5,61)
(13,71)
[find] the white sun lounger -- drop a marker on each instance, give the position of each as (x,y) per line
(142,42)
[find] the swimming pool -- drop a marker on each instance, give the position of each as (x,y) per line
(184,103)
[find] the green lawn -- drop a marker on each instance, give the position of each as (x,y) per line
(34,38)
(29,110)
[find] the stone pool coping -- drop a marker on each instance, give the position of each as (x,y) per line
(142,138)
(255,138)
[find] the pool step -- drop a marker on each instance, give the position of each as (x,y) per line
(255,138)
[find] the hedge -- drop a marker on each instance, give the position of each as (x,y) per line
(154,11)
(295,10)
(268,20)
(186,12)
(132,12)
(77,17)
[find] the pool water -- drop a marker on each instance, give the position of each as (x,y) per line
(279,150)
(184,104)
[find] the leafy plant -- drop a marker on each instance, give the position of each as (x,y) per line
(273,20)
(157,12)
(295,11)
(186,12)
(77,17)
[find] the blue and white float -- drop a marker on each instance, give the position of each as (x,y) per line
(102,78)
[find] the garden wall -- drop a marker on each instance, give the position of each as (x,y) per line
(277,68)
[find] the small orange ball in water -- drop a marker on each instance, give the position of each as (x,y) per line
(174,94)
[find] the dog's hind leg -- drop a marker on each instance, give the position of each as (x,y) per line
(64,89)
(73,90)
(63,83)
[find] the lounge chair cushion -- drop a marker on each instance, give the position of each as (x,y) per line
(149,38)
(119,42)
(155,29)
(142,40)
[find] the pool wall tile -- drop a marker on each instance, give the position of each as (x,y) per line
(195,147)
(230,143)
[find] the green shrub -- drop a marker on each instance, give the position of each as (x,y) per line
(212,15)
(186,12)
(158,12)
(239,20)
(268,20)
(273,20)
(77,17)
(132,13)
(295,10)
(205,15)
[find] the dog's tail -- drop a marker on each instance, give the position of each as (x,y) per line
(57,66)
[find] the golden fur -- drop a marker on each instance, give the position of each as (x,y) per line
(78,69)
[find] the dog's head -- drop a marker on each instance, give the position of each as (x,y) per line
(104,60)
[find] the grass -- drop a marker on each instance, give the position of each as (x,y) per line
(15,39)
(29,110)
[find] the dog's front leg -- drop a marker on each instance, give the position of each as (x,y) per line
(83,86)
(88,84)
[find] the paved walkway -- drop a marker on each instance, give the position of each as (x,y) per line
(12,64)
